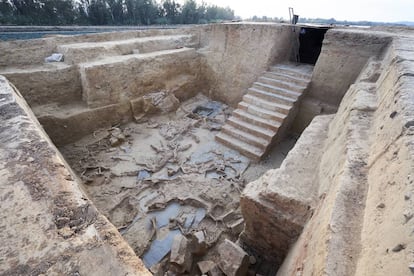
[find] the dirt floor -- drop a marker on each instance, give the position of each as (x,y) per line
(165,176)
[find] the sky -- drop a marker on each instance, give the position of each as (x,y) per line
(351,10)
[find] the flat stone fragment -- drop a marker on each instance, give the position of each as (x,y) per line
(215,271)
(237,226)
(181,257)
(233,259)
(206,266)
(199,245)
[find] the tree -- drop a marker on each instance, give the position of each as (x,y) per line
(171,11)
(6,12)
(81,13)
(56,12)
(98,13)
(116,8)
(189,14)
(26,11)
(148,12)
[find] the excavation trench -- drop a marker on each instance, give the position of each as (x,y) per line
(135,115)
(205,155)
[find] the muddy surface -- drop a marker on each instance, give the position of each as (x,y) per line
(165,176)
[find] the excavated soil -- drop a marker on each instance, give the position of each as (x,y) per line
(165,175)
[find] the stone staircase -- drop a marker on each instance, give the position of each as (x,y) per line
(266,110)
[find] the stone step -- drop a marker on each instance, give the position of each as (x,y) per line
(271,96)
(262,113)
(282,84)
(286,78)
(245,137)
(254,129)
(253,119)
(297,71)
(297,67)
(250,99)
(244,148)
(88,51)
(258,119)
(286,92)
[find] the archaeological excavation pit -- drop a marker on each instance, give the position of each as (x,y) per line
(225,149)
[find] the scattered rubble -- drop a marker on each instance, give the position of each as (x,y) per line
(117,137)
(152,103)
(233,260)
(181,256)
(164,177)
(206,266)
(199,243)
(237,226)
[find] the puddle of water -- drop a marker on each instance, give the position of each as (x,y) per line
(209,109)
(143,174)
(199,216)
(194,219)
(163,217)
(159,249)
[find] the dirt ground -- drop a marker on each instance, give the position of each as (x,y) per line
(165,175)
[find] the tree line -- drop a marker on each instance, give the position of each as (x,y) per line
(109,12)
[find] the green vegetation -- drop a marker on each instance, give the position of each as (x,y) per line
(109,12)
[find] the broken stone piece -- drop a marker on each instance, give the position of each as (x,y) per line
(215,271)
(252,260)
(381,206)
(237,226)
(116,132)
(117,137)
(181,257)
(399,247)
(114,142)
(156,102)
(411,267)
(66,232)
(206,266)
(199,244)
(233,259)
(157,269)
(172,170)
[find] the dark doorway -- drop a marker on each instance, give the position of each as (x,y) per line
(310,40)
